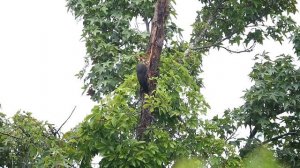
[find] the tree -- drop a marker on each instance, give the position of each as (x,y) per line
(271,109)
(166,124)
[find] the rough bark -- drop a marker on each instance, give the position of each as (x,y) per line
(153,59)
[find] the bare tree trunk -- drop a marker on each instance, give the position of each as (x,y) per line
(153,58)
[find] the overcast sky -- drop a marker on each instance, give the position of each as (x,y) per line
(41,51)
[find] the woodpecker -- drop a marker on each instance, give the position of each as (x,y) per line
(141,71)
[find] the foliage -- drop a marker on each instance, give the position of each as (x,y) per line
(261,158)
(112,42)
(4,151)
(27,142)
(192,163)
(242,22)
(296,41)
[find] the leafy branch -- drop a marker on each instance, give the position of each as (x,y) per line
(279,137)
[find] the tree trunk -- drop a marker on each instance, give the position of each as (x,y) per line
(153,58)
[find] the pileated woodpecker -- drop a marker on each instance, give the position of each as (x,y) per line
(141,71)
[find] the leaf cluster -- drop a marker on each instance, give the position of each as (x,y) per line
(242,22)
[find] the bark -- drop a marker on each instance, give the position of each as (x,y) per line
(153,59)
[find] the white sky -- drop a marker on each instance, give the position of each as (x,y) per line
(41,51)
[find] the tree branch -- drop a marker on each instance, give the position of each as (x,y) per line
(147,23)
(253,132)
(231,136)
(278,137)
(226,48)
(241,51)
(65,121)
(210,20)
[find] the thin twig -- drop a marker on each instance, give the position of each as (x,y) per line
(65,121)
(227,49)
(241,51)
